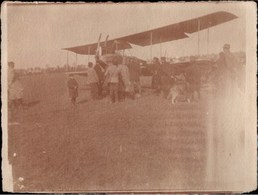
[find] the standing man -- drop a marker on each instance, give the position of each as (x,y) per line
(16,93)
(10,73)
(124,81)
(229,113)
(165,79)
(112,76)
(100,70)
(72,88)
(156,79)
(227,72)
(11,78)
(15,88)
(93,81)
(193,79)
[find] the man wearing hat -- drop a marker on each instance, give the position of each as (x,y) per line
(226,47)
(229,111)
(227,72)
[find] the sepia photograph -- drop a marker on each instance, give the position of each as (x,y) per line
(129,97)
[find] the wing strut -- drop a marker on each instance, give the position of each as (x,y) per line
(67,61)
(160,48)
(151,45)
(88,54)
(208,39)
(199,37)
(76,60)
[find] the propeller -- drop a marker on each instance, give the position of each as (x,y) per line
(98,46)
(106,40)
(106,48)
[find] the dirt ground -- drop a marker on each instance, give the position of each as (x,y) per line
(143,144)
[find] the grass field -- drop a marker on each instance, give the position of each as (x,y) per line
(145,144)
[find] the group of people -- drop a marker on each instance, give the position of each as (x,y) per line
(119,81)
(228,76)
(113,79)
(181,86)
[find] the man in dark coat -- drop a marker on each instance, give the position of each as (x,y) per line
(165,77)
(72,85)
(100,70)
(193,78)
(156,79)
(227,81)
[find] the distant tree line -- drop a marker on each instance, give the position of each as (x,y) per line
(47,69)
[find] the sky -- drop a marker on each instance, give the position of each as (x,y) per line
(36,33)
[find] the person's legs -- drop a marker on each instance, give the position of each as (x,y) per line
(111,92)
(73,100)
(92,90)
(139,87)
(19,102)
(121,94)
(199,92)
(116,92)
(95,91)
(100,89)
(13,104)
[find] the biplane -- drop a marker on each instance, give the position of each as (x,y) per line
(105,51)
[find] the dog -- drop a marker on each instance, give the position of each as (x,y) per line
(179,92)
(174,92)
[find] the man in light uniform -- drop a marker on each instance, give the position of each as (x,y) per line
(124,81)
(112,78)
(93,81)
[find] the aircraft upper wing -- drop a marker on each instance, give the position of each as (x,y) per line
(164,34)
(178,30)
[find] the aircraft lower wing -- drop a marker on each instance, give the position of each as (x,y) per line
(91,49)
(164,34)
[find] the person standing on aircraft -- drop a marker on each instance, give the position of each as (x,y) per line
(112,76)
(72,85)
(93,81)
